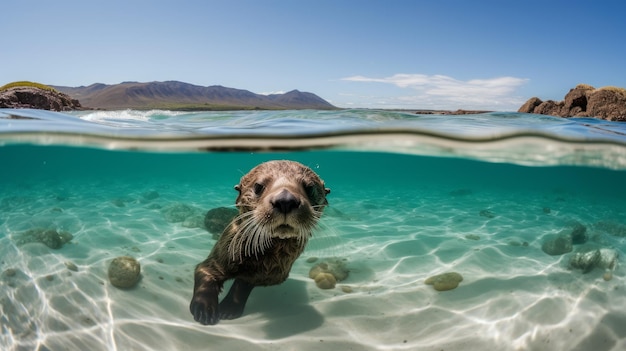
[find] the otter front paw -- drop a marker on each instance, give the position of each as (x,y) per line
(233,304)
(205,309)
(230,310)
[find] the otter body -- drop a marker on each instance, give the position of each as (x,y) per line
(280,203)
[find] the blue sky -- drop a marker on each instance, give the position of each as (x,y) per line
(413,54)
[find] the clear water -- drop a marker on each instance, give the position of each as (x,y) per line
(412,197)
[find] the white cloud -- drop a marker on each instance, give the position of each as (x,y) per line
(443,92)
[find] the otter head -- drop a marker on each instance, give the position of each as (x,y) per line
(277,200)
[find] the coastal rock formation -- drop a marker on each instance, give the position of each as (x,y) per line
(124,272)
(583,101)
(33,97)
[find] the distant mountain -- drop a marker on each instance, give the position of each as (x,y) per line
(175,95)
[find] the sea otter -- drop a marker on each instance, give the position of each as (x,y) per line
(280,203)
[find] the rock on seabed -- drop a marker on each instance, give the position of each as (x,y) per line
(557,245)
(124,272)
(445,281)
(217,219)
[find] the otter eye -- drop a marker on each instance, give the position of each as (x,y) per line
(258,188)
(311,191)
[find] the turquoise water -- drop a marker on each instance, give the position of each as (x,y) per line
(412,197)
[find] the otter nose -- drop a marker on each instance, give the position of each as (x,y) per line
(285,202)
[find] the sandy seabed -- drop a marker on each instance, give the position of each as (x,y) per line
(513,295)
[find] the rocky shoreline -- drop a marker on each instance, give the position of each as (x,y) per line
(37,98)
(607,103)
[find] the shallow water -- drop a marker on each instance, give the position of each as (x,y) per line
(411,198)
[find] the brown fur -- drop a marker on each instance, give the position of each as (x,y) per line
(279,205)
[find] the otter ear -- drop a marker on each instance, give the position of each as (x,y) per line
(327,191)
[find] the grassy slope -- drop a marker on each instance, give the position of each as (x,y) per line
(27,84)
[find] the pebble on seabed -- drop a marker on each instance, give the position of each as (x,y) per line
(124,272)
(445,281)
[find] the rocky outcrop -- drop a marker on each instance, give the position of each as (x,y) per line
(33,97)
(549,107)
(530,105)
(583,101)
(608,104)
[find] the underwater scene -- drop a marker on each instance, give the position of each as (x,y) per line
(499,230)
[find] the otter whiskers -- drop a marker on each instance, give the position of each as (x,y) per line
(251,239)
